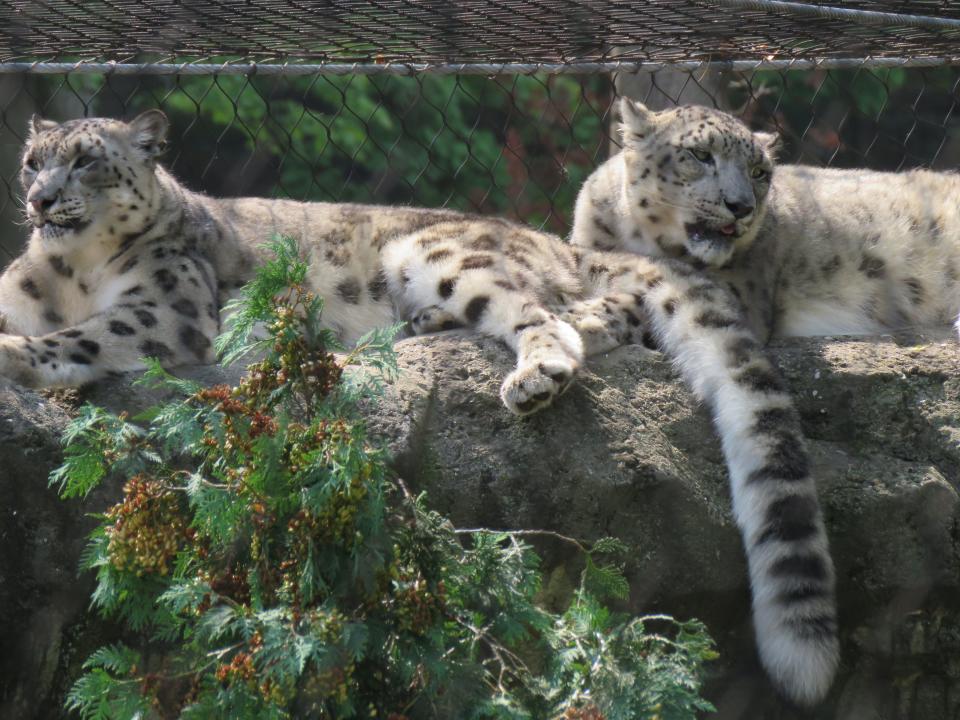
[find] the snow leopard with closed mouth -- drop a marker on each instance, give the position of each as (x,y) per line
(124,262)
(809,251)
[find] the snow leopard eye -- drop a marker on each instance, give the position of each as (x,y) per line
(758,173)
(32,164)
(703,156)
(84,161)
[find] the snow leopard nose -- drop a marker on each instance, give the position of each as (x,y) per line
(41,205)
(739,209)
(42,196)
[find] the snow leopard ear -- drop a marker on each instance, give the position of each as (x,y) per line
(148,131)
(636,121)
(38,125)
(771,142)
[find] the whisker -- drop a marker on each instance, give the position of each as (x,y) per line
(22,206)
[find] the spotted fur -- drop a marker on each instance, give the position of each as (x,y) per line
(610,299)
(810,251)
(807,251)
(124,263)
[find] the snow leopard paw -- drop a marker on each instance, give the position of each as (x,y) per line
(433,319)
(534,385)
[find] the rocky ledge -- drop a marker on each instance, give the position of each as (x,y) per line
(626,452)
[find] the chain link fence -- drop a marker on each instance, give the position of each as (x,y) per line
(493,107)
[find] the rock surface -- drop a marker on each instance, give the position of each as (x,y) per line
(625,452)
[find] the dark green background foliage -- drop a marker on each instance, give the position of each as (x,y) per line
(517,145)
(509,145)
(886,119)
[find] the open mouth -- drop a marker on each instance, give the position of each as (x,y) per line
(701,233)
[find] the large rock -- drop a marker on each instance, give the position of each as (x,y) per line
(625,452)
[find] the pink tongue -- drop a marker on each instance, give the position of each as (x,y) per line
(728,229)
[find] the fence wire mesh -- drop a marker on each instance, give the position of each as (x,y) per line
(863,92)
(476,30)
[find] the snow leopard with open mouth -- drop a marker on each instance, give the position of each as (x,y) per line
(809,251)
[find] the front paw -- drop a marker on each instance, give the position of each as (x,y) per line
(433,319)
(532,387)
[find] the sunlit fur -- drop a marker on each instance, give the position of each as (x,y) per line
(825,251)
(125,262)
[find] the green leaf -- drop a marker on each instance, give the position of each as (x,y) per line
(157,377)
(98,695)
(116,658)
(604,581)
(610,545)
(256,299)
(95,443)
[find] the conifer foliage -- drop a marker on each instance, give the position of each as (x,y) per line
(268,566)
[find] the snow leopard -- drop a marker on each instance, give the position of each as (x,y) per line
(808,250)
(124,262)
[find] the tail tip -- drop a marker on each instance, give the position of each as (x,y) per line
(802,668)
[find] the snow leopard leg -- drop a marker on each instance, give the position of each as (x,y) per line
(608,322)
(699,325)
(450,286)
(549,351)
